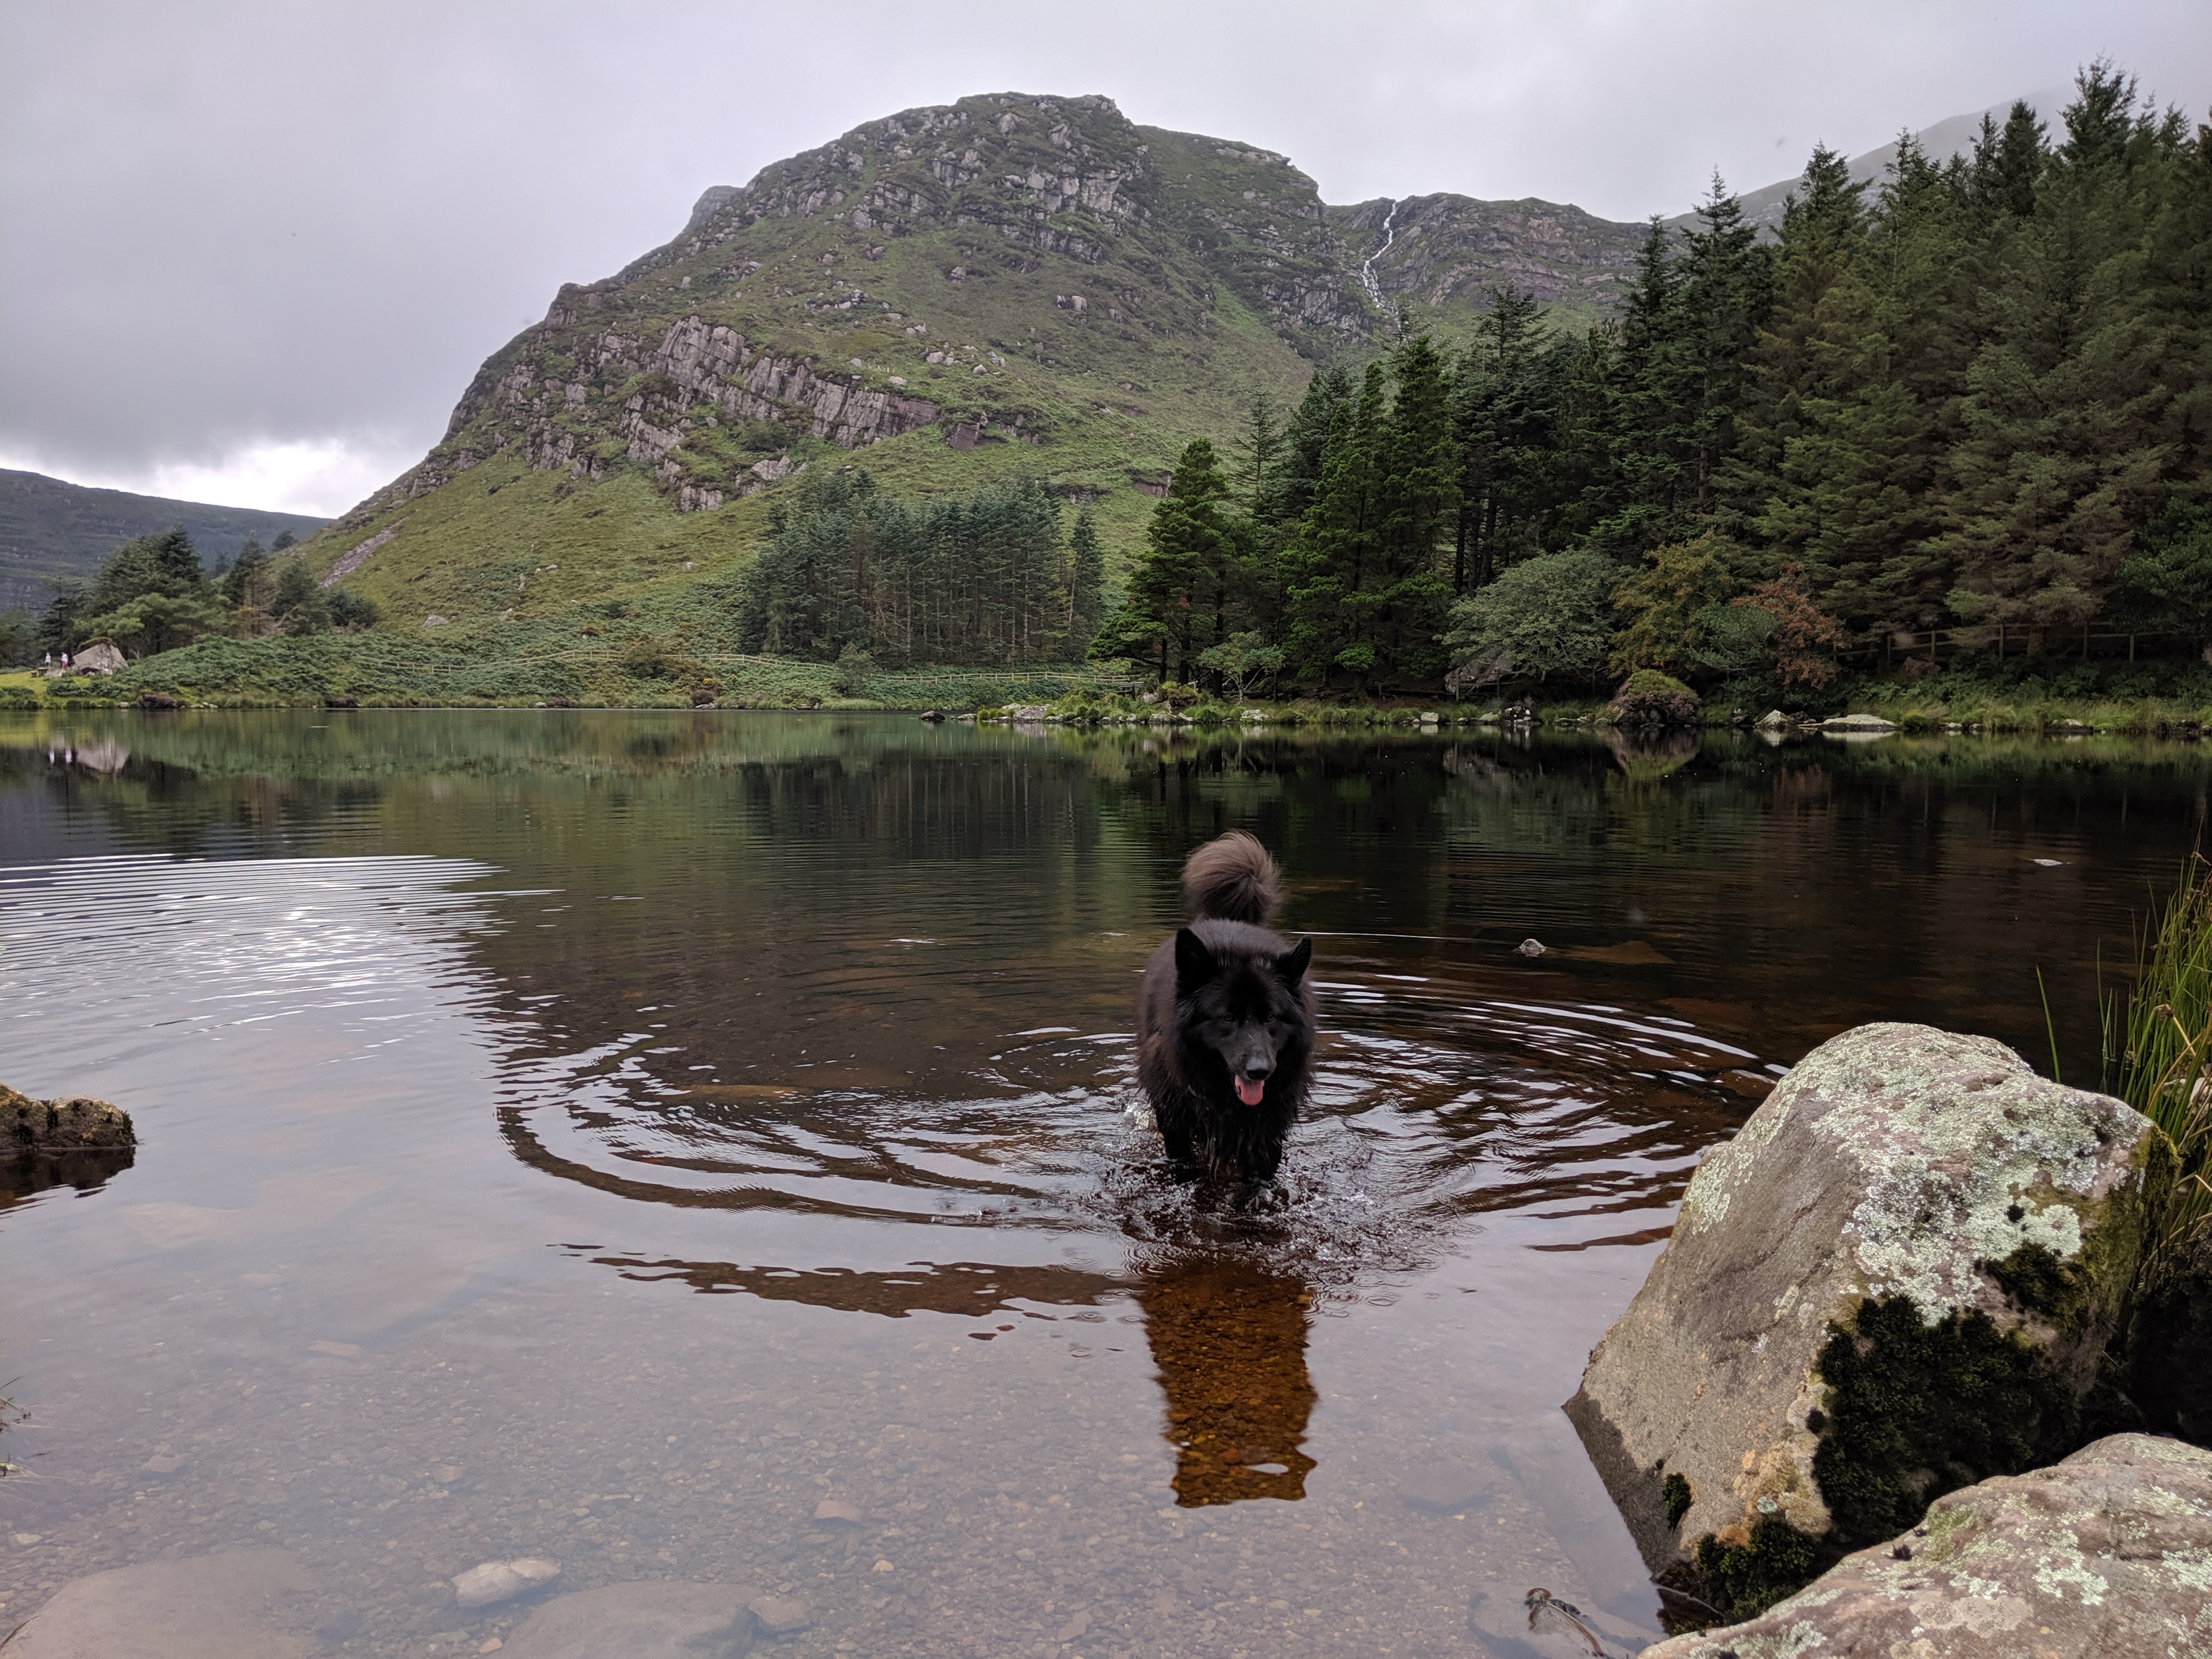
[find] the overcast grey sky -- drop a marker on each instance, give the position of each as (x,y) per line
(255,250)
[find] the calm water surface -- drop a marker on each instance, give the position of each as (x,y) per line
(608,1136)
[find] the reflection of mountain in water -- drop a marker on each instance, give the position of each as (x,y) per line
(951,1287)
(1229,1338)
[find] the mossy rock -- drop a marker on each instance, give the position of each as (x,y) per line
(77,1142)
(2100,1556)
(75,1125)
(1900,1277)
(1648,697)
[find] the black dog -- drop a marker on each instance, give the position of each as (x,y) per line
(1226,1020)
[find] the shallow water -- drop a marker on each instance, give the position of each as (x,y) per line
(607,1136)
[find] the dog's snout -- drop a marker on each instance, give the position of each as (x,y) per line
(1258,1067)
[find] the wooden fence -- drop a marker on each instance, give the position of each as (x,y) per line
(2002,640)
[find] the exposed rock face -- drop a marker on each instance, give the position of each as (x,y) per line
(1447,248)
(227,1605)
(99,657)
(2107,1555)
(776,302)
(358,555)
(1898,1278)
(649,1620)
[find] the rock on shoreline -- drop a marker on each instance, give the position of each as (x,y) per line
(77,1142)
(1900,1278)
(2105,1555)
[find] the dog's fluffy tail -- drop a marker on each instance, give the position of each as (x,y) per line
(1232,878)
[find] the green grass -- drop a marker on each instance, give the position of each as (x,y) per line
(2158,1043)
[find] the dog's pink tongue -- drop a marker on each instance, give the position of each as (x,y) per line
(1250,1089)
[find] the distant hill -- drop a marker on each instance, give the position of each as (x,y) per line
(50,530)
(1947,138)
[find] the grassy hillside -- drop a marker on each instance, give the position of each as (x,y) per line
(50,530)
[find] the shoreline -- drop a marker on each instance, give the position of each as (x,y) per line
(24,692)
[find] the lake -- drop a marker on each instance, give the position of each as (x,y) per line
(705,1146)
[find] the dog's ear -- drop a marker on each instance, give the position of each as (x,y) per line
(1195,964)
(1293,962)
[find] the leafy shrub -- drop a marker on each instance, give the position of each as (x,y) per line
(1546,617)
(1663,606)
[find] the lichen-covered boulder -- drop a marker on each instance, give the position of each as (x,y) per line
(2107,1555)
(1897,1278)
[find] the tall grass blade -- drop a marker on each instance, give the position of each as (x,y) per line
(2166,1041)
(2050,1028)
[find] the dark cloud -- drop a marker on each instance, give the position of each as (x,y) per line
(261,247)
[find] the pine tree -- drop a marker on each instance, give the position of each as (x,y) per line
(1726,292)
(1419,492)
(1086,586)
(1184,579)
(1503,403)
(1259,463)
(246,585)
(1331,604)
(2061,457)
(1821,237)
(1305,439)
(1847,494)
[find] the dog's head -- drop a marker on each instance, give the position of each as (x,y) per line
(1247,1013)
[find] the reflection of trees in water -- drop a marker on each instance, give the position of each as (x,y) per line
(1229,1338)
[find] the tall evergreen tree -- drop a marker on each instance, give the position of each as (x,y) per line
(1504,401)
(1305,439)
(1419,492)
(1184,579)
(1822,234)
(1331,606)
(2061,456)
(1086,584)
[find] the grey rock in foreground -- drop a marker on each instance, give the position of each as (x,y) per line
(225,1605)
(650,1621)
(2106,1555)
(1894,1161)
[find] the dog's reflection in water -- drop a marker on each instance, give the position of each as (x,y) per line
(1230,1340)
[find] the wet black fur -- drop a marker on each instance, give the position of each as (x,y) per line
(1223,996)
